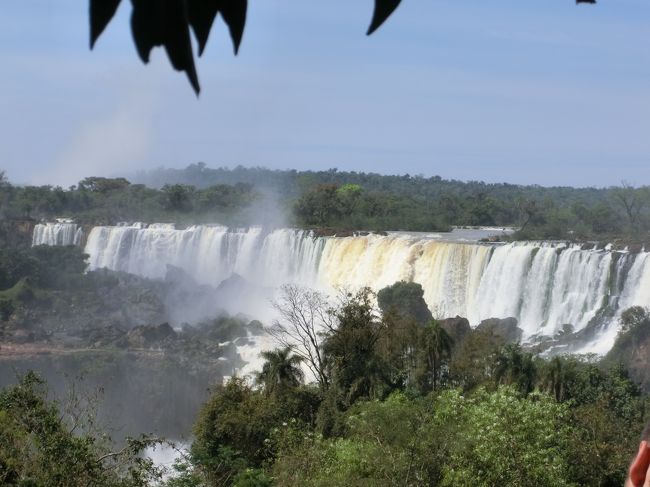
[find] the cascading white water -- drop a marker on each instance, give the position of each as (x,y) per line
(543,285)
(58,233)
(210,254)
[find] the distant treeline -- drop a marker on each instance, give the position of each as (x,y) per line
(340,200)
(98,200)
(360,200)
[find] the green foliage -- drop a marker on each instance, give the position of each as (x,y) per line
(233,427)
(103,185)
(38,448)
(472,362)
(178,197)
(281,371)
(635,321)
(515,367)
(497,415)
(341,199)
(99,200)
(504,439)
(496,438)
(435,346)
(44,266)
(25,271)
(354,366)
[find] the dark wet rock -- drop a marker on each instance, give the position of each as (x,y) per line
(635,248)
(344,232)
(457,328)
(492,239)
(105,336)
(506,328)
(16,232)
(148,336)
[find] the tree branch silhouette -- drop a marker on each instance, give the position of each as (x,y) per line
(167,23)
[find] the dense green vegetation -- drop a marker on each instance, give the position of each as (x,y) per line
(43,443)
(406,404)
(339,200)
(413,202)
(23,272)
(98,200)
(398,399)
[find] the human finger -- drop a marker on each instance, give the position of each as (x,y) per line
(639,467)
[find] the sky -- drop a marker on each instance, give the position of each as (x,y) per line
(530,92)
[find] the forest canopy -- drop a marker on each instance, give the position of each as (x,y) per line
(340,201)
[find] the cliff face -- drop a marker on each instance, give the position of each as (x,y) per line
(16,232)
(632,347)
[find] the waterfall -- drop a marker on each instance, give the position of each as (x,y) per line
(59,233)
(544,285)
(210,254)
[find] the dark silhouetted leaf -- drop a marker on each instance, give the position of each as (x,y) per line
(383,10)
(202,14)
(165,23)
(234,15)
(101,13)
(148,25)
(178,43)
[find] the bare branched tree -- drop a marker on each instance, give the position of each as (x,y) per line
(632,200)
(306,317)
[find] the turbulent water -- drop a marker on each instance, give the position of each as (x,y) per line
(544,285)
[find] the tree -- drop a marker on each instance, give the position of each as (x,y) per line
(504,439)
(230,431)
(554,377)
(281,371)
(436,345)
(515,367)
(178,196)
(103,185)
(319,206)
(40,447)
(632,201)
(348,197)
(356,369)
(305,316)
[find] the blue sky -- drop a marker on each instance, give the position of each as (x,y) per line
(537,92)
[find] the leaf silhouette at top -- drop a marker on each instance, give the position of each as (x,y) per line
(101,13)
(201,15)
(233,13)
(148,26)
(165,23)
(383,10)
